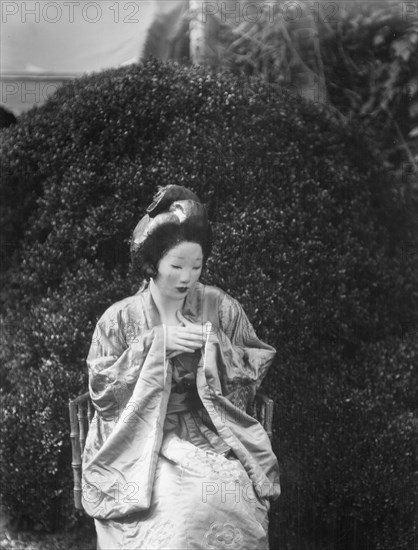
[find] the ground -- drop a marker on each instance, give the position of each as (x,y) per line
(69,540)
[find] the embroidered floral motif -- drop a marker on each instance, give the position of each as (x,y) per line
(212,466)
(223,535)
(241,394)
(223,469)
(158,535)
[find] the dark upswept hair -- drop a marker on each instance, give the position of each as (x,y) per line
(163,238)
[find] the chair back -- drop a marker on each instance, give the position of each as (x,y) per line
(264,408)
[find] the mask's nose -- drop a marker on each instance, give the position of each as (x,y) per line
(185,277)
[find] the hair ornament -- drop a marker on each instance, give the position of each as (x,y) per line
(172,204)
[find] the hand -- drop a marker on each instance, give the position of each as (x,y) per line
(204,330)
(186,338)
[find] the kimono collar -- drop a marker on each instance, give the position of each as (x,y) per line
(192,308)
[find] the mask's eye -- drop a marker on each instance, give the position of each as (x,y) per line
(176,267)
(197,268)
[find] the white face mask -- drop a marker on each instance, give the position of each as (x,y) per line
(179,270)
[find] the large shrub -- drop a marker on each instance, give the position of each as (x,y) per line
(307,234)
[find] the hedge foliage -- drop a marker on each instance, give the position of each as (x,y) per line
(310,235)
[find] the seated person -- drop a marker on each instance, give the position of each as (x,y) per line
(173,457)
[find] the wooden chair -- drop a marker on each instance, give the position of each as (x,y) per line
(81,414)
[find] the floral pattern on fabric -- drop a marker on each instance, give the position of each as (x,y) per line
(223,536)
(213,466)
(158,535)
(242,395)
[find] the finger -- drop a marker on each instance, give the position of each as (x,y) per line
(185,336)
(182,349)
(172,354)
(196,330)
(188,343)
(190,338)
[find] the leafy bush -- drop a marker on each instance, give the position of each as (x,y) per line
(307,234)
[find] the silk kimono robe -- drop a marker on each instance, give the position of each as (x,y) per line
(174,458)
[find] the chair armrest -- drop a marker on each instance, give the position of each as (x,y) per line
(83,398)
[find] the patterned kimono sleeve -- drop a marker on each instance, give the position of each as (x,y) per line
(114,363)
(246,358)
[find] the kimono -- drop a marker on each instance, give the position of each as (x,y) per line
(174,458)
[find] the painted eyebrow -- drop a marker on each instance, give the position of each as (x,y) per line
(185,258)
